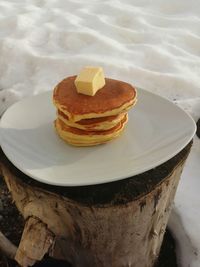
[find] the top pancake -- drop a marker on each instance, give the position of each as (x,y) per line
(115,97)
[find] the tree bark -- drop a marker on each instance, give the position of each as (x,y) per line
(7,247)
(123,228)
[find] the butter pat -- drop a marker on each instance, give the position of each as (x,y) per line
(90,80)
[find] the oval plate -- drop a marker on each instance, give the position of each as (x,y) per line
(157,130)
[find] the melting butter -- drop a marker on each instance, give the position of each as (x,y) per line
(90,80)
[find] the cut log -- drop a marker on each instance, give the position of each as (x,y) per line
(115,224)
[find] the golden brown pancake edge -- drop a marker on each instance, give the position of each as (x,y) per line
(115,97)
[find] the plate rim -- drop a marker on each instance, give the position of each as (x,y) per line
(88,183)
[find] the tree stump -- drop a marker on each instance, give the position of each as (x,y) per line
(115,224)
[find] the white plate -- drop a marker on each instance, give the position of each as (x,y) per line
(157,130)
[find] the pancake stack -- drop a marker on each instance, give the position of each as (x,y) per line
(84,120)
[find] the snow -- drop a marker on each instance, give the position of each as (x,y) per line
(152,44)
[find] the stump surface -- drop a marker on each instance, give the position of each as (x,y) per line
(115,224)
(118,192)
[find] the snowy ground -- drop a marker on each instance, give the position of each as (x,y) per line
(153,44)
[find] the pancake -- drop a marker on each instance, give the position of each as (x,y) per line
(95,124)
(78,137)
(114,98)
